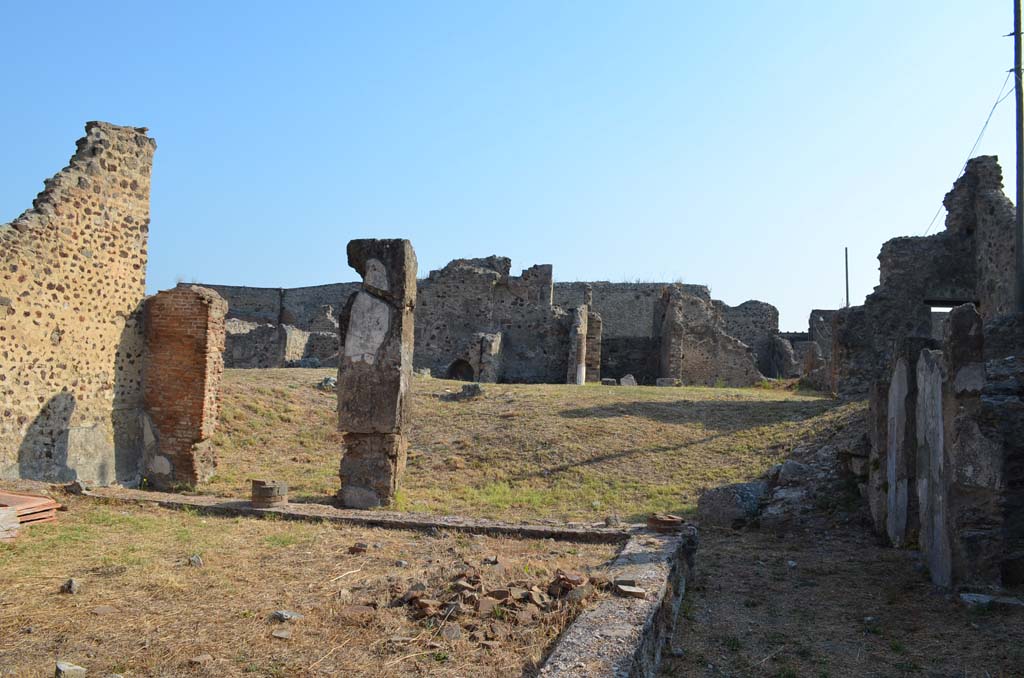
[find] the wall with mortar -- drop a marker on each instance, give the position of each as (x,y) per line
(971,261)
(448,316)
(72,276)
(184,330)
(470,296)
(626,309)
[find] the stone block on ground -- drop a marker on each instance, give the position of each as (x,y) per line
(731,505)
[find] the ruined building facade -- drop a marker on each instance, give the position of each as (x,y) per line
(92,378)
(945,390)
(477,321)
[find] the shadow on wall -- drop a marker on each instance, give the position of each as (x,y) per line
(722,416)
(43,454)
(127,414)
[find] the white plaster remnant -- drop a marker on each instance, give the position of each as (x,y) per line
(371,318)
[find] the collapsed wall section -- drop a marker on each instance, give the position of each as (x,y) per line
(72,276)
(695,348)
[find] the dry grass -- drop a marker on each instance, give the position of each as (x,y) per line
(135,560)
(521,451)
(847,608)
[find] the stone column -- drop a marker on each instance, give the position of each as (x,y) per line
(374,371)
(901,455)
(184,364)
(577,372)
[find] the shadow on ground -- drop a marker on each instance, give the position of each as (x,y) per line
(720,415)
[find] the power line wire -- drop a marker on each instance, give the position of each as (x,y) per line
(999,99)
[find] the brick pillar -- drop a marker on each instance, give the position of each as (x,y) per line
(184,364)
(374,370)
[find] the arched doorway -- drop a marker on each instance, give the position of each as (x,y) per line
(461,370)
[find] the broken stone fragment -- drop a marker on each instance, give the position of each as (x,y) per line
(71,586)
(609,382)
(68,670)
(195,560)
(630,591)
(485,606)
(358,547)
(731,505)
(285,616)
(283,634)
(628,380)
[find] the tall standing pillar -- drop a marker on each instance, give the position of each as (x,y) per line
(374,372)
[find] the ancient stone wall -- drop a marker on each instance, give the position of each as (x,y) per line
(184,364)
(977,207)
(471,296)
(756,324)
(626,309)
(969,262)
(72,276)
(695,348)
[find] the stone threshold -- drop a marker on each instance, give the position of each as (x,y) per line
(387,519)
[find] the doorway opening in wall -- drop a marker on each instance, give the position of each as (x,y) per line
(940,309)
(461,370)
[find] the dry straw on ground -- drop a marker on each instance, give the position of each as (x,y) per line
(144,610)
(522,452)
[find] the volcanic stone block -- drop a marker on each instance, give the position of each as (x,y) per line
(376,361)
(374,371)
(934,534)
(372,465)
(901,441)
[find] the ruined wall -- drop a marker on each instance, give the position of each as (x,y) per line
(472,296)
(72,276)
(913,271)
(694,346)
(977,206)
(971,261)
(184,330)
(626,309)
(756,324)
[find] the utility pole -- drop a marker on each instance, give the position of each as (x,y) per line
(846,256)
(1019,97)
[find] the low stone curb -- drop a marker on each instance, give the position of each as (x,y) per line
(387,519)
(624,637)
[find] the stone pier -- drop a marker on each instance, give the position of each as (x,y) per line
(184,365)
(577,371)
(374,372)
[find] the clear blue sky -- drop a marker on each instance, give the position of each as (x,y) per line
(739,145)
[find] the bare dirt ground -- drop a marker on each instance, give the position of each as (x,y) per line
(831,602)
(144,610)
(521,452)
